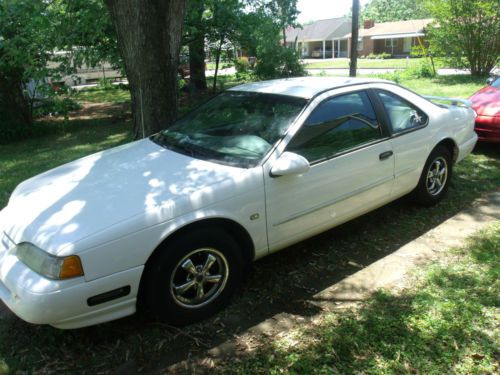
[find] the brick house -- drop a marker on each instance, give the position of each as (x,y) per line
(395,38)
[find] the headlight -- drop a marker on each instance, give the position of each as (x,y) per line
(49,265)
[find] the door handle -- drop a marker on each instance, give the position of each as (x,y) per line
(385,155)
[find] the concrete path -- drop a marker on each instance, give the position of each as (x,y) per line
(389,272)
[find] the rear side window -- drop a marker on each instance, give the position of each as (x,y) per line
(402,115)
(336,125)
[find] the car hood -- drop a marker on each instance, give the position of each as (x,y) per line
(64,205)
(486,102)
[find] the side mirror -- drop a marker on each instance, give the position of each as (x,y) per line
(289,164)
(489,81)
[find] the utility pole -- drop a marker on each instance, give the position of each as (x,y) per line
(354,38)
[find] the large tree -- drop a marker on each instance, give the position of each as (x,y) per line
(394,10)
(466,32)
(149,35)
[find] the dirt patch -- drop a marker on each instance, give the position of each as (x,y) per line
(101,110)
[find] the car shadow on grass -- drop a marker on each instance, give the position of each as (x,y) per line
(445,324)
(283,283)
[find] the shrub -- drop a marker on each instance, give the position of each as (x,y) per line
(278,62)
(421,70)
(242,65)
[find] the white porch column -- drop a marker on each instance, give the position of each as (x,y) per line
(324,46)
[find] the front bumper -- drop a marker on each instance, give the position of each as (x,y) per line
(63,304)
(488,128)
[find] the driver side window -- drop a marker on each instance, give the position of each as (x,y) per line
(336,125)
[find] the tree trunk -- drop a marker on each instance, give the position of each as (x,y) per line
(149,34)
(217,61)
(15,108)
(354,39)
(197,78)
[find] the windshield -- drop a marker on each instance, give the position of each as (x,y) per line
(235,128)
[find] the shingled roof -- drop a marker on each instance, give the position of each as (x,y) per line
(318,30)
(394,28)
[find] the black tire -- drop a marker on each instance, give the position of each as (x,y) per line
(165,274)
(431,189)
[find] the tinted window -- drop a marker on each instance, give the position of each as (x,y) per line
(403,115)
(336,125)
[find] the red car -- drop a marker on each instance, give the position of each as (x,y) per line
(486,103)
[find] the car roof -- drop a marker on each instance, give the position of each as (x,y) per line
(302,87)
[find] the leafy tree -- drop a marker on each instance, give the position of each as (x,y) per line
(84,29)
(23,54)
(224,23)
(262,38)
(42,40)
(394,10)
(466,32)
(285,12)
(149,38)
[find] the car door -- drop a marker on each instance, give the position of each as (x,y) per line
(351,170)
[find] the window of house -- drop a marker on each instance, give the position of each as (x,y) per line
(403,115)
(391,42)
(336,125)
(360,44)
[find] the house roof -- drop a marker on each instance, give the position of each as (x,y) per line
(302,87)
(318,30)
(393,29)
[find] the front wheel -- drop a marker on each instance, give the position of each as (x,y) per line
(193,276)
(435,177)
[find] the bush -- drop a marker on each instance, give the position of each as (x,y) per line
(105,83)
(421,70)
(380,56)
(55,107)
(242,65)
(278,62)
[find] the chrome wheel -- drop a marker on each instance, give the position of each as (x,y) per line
(436,176)
(199,278)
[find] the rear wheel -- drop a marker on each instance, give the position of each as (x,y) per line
(193,276)
(435,177)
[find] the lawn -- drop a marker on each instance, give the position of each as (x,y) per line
(365,63)
(447,322)
(284,282)
(113,94)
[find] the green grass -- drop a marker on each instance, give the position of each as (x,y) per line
(455,86)
(446,323)
(103,95)
(365,63)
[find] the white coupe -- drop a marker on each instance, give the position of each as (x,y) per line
(168,222)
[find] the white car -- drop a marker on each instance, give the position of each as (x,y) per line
(169,222)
